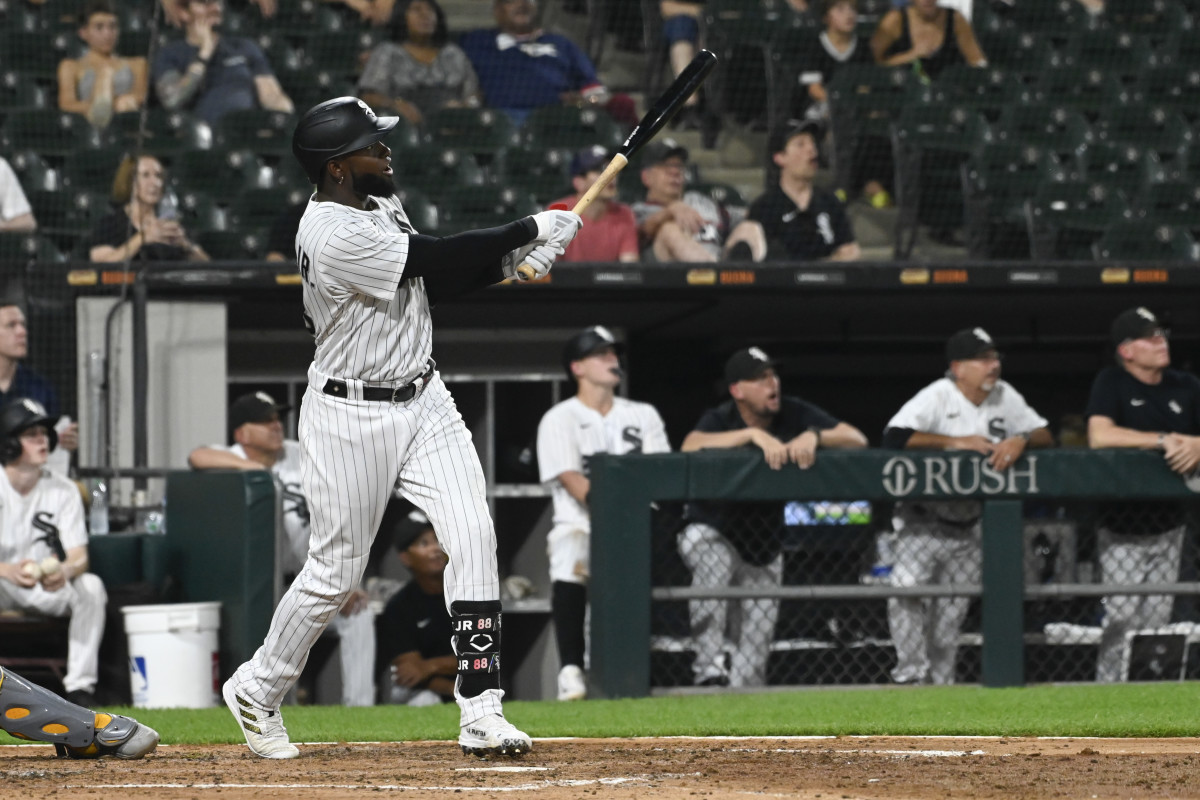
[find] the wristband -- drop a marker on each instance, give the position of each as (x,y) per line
(1026,435)
(1162,441)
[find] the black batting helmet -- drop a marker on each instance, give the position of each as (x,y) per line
(334,128)
(586,342)
(17,417)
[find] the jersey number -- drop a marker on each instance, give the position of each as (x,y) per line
(302,257)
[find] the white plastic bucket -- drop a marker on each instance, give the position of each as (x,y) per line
(173,654)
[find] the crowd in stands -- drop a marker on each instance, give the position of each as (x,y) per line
(1006,129)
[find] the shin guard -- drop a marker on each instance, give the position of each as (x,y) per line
(476,626)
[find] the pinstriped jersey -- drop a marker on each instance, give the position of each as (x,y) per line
(571,432)
(25,521)
(369,323)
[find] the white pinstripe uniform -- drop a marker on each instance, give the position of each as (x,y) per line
(54,501)
(940,542)
(356,633)
(568,434)
(372,328)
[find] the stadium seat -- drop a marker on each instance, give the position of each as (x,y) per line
(543,173)
(433,170)
(996,183)
(1059,129)
(1056,17)
(422,213)
(483,132)
(51,132)
(166,133)
(988,91)
(1016,51)
(200,212)
(869,97)
(1144,240)
(1108,49)
(19,92)
(1156,128)
(1174,203)
(466,207)
(1174,87)
(38,52)
(1124,166)
(341,52)
(232,245)
(92,170)
(789,48)
(67,217)
(563,126)
(33,172)
(258,208)
(737,25)
(18,249)
(1084,89)
(306,87)
(1157,20)
(218,173)
(267,133)
(1065,219)
(942,126)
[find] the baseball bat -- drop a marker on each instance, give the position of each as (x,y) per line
(667,105)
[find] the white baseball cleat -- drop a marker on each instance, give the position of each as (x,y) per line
(263,729)
(571,683)
(493,735)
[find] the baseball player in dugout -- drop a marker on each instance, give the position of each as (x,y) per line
(29,711)
(43,544)
(595,420)
(971,409)
(377,417)
(741,545)
(256,433)
(1141,402)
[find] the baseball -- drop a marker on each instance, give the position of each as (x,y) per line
(50,565)
(32,570)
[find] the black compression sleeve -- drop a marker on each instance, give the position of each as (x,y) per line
(896,438)
(469,252)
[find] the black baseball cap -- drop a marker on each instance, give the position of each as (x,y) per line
(747,365)
(969,343)
(589,159)
(790,130)
(409,529)
(1135,323)
(658,152)
(254,407)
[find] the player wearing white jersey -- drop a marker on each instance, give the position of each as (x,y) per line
(257,433)
(43,544)
(970,409)
(594,421)
(377,417)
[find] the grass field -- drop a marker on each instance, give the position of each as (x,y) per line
(1138,710)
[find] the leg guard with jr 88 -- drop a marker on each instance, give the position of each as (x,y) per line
(27,711)
(476,626)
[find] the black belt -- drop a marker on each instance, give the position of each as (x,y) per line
(400,394)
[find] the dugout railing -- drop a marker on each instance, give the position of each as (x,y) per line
(635,502)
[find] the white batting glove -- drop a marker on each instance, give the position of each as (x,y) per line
(540,257)
(557,227)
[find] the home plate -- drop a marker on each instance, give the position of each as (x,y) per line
(501,769)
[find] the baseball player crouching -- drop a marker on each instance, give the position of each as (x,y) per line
(969,409)
(595,420)
(258,443)
(377,417)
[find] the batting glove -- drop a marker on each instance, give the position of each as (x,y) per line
(557,227)
(539,256)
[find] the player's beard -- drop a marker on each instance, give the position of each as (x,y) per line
(370,183)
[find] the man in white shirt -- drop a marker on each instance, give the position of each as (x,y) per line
(15,212)
(594,421)
(969,409)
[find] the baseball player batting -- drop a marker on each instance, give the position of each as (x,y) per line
(377,416)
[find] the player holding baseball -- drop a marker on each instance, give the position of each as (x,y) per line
(595,420)
(377,416)
(970,409)
(43,544)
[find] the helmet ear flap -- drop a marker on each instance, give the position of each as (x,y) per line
(10,449)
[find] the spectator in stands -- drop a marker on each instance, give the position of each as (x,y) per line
(681,29)
(16,215)
(522,68)
(134,229)
(609,231)
(927,38)
(43,548)
(970,409)
(210,74)
(800,221)
(1141,402)
(594,421)
(174,13)
(100,83)
(420,71)
(679,225)
(837,44)
(281,241)
(722,548)
(414,628)
(258,443)
(17,380)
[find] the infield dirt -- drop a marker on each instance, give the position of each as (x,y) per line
(843,768)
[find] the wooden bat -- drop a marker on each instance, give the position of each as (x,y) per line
(667,105)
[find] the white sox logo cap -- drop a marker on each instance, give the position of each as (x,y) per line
(747,365)
(969,343)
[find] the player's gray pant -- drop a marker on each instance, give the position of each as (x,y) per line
(747,633)
(84,600)
(353,453)
(925,630)
(1152,558)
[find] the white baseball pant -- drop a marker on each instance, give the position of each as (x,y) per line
(84,600)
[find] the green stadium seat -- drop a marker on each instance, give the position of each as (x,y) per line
(1174,203)
(1145,240)
(19,249)
(546,174)
(19,92)
(1065,219)
(307,87)
(267,133)
(1056,17)
(33,172)
(997,182)
(232,245)
(38,52)
(1174,87)
(342,52)
(67,217)
(1084,89)
(988,91)
(1125,166)
(218,173)
(198,211)
(945,127)
(1016,51)
(870,97)
(483,132)
(1060,129)
(788,49)
(1157,20)
(468,207)
(563,126)
(422,213)
(51,132)
(433,170)
(166,133)
(92,170)
(1157,128)
(1109,49)
(258,208)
